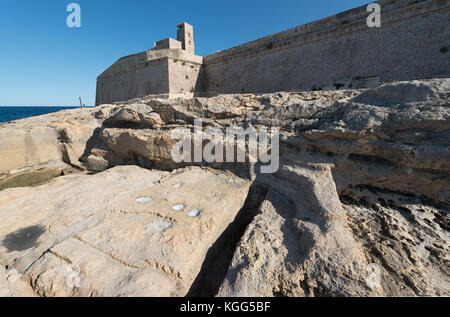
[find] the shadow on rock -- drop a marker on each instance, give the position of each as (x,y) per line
(23,239)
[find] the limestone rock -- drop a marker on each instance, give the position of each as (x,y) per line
(36,175)
(359,206)
(137,114)
(431,92)
(20,148)
(87,236)
(48,139)
(146,148)
(96,164)
(300,243)
(309,239)
(12,285)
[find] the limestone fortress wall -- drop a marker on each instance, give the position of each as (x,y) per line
(340,51)
(170,69)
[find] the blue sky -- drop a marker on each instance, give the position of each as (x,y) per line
(43,62)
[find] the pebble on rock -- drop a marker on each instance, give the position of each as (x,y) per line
(194,213)
(159,227)
(178,207)
(143,200)
(177,185)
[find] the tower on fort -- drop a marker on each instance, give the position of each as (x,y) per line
(170,69)
(185,35)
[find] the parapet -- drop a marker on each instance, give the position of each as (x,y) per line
(168,44)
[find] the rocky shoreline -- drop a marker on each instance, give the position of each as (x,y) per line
(359,206)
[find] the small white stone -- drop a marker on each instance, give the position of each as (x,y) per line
(178,207)
(159,227)
(144,200)
(177,185)
(194,213)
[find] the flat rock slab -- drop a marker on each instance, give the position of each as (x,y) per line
(89,236)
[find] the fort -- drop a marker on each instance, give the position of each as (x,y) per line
(337,52)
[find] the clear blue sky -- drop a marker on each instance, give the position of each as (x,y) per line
(43,62)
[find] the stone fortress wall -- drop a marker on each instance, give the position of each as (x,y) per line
(340,51)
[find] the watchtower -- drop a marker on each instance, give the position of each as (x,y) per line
(185,35)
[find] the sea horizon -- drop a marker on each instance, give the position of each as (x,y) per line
(12,113)
(28,106)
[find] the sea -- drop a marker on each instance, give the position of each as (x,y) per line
(14,113)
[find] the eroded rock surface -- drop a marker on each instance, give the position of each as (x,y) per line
(309,239)
(359,206)
(73,238)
